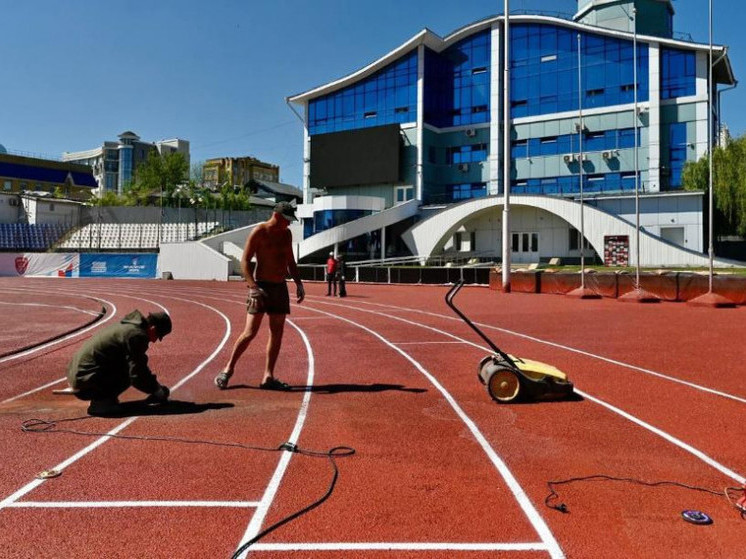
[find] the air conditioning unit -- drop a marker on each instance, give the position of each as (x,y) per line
(584,157)
(607,155)
(463,167)
(577,127)
(569,158)
(471,132)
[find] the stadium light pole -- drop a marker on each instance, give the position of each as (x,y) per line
(580,166)
(635,116)
(506,152)
(711,244)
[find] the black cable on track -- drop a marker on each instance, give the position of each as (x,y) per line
(50,426)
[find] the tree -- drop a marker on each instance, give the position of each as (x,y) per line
(729,185)
(158,176)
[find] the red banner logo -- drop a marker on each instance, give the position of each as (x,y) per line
(21,265)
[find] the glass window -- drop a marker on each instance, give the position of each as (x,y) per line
(678,73)
(7,185)
(387,97)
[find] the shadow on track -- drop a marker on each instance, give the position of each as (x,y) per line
(171,407)
(337,388)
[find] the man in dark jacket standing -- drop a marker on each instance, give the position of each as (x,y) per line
(115,359)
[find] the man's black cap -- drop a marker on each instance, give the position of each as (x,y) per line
(162,323)
(286,210)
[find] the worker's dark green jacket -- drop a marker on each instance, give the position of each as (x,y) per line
(118,350)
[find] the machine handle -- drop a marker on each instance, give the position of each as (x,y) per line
(449,301)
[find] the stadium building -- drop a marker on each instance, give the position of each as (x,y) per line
(114,163)
(405,156)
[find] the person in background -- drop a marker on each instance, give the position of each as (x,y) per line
(271,243)
(115,359)
(331,275)
(341,271)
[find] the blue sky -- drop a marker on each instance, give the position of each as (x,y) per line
(76,73)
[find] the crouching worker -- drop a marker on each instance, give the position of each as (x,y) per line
(115,359)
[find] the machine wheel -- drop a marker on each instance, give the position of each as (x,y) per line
(504,386)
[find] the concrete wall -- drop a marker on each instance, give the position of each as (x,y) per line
(194,261)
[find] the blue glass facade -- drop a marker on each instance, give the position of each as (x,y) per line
(327,219)
(457,83)
(678,73)
(569,143)
(677,148)
(544,70)
(570,185)
(386,97)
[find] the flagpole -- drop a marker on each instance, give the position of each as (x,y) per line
(580,165)
(711,248)
(506,153)
(637,160)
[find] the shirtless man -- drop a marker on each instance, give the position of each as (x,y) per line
(271,243)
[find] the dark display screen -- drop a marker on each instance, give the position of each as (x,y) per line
(356,157)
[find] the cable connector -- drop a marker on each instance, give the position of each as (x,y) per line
(290,447)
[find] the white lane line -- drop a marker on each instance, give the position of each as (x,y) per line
(8,501)
(68,307)
(63,379)
(424,343)
(670,438)
(667,436)
(129,504)
(97,324)
(257,519)
(62,465)
(557,345)
(393,546)
(523,500)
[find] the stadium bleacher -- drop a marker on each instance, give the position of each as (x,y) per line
(30,237)
(134,236)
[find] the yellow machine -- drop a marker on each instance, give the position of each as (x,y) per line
(509,378)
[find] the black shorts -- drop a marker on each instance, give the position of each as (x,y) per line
(277,300)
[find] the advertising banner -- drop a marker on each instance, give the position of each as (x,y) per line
(118,265)
(34,264)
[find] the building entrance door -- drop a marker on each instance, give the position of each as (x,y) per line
(525,247)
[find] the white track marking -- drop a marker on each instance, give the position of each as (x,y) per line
(68,307)
(392,546)
(10,500)
(557,345)
(257,520)
(424,343)
(129,504)
(519,494)
(62,465)
(63,379)
(65,338)
(670,438)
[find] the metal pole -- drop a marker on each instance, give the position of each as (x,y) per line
(506,151)
(637,160)
(580,165)
(711,248)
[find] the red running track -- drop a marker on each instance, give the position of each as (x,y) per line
(440,471)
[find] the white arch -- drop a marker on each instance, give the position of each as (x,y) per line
(427,237)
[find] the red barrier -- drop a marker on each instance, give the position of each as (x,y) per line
(606,285)
(730,287)
(558,283)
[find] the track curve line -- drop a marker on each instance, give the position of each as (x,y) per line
(563,347)
(666,436)
(549,542)
(11,499)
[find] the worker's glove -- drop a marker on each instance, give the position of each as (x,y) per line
(256,292)
(300,292)
(161,394)
(257,299)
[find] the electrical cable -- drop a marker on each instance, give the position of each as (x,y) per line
(562,507)
(50,426)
